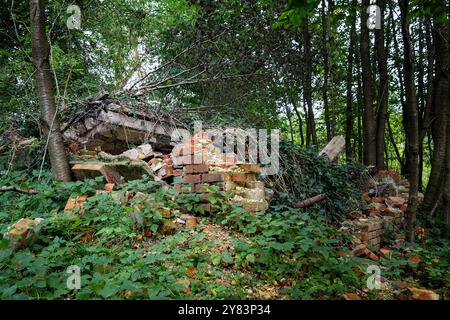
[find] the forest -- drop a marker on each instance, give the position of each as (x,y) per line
(101,193)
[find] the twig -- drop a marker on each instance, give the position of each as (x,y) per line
(15,189)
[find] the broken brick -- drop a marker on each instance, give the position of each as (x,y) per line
(365,196)
(109,187)
(238,177)
(395,201)
(196,168)
(213,177)
(182,160)
(184,188)
(192,178)
(201,187)
(250,167)
(377,200)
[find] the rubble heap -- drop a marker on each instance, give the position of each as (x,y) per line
(113,124)
(203,165)
(387,196)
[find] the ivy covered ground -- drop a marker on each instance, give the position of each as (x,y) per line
(284,253)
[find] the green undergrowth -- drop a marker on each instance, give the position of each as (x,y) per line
(304,174)
(285,253)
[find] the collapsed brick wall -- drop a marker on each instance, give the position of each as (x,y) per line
(203,165)
(386,197)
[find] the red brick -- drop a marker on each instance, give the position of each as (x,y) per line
(196,168)
(192,178)
(168,160)
(169,171)
(250,167)
(238,177)
(213,177)
(365,196)
(184,188)
(182,160)
(109,187)
(377,200)
(191,222)
(201,187)
(177,172)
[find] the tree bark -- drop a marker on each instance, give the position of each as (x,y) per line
(428,100)
(326,68)
(383,91)
(412,128)
(311,135)
(439,113)
(300,122)
(367,82)
(349,102)
(48,117)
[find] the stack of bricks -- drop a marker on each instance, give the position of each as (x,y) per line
(368,231)
(204,165)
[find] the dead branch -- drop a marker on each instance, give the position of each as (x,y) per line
(310,201)
(15,189)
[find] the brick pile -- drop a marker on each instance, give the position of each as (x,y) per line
(368,231)
(386,197)
(203,165)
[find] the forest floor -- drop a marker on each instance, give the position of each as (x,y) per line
(283,253)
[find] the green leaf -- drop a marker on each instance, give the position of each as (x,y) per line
(250,258)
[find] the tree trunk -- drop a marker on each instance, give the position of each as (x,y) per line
(300,122)
(439,113)
(398,66)
(412,128)
(359,110)
(349,102)
(311,136)
(326,68)
(48,117)
(367,82)
(425,115)
(383,91)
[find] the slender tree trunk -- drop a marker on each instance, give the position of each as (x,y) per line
(307,84)
(349,102)
(428,100)
(383,91)
(289,116)
(412,128)
(439,113)
(300,121)
(368,114)
(446,191)
(398,66)
(48,117)
(359,110)
(326,68)
(421,93)
(394,145)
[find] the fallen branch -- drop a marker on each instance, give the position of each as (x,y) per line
(15,189)
(310,201)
